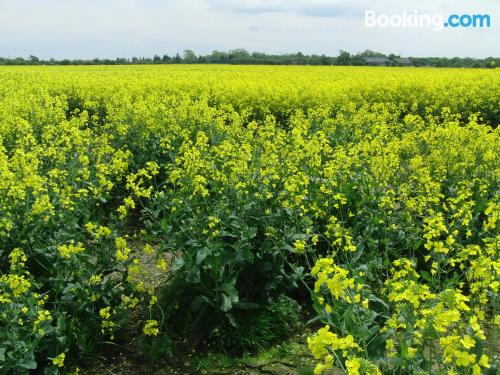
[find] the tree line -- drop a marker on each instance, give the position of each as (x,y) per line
(243,57)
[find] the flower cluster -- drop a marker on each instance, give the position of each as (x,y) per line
(382,189)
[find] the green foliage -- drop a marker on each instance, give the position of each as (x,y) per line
(254,331)
(241,178)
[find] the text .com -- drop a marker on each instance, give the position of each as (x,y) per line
(420,20)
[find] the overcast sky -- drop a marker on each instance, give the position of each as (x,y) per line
(126,28)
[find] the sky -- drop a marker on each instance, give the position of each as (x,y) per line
(124,28)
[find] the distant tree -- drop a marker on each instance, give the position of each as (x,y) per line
(392,60)
(259,55)
(370,53)
(238,54)
(344,58)
(16,61)
(189,56)
(242,56)
(218,57)
(356,60)
(300,58)
(442,62)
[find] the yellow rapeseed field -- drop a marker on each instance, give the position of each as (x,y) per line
(180,200)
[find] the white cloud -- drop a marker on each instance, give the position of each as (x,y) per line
(110,28)
(315,8)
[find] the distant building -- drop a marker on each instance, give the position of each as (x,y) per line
(376,61)
(403,62)
(384,61)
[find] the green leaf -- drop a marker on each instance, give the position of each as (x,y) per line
(198,302)
(202,255)
(225,304)
(227,257)
(28,363)
(247,305)
(178,263)
(426,276)
(68,288)
(164,224)
(231,292)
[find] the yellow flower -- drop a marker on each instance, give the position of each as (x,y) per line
(315,239)
(389,344)
(59,360)
(105,313)
(411,352)
(484,361)
(95,279)
(463,359)
(66,251)
(468,342)
(18,284)
(148,249)
(122,250)
(352,365)
(299,246)
(17,259)
(42,317)
(161,264)
(151,328)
